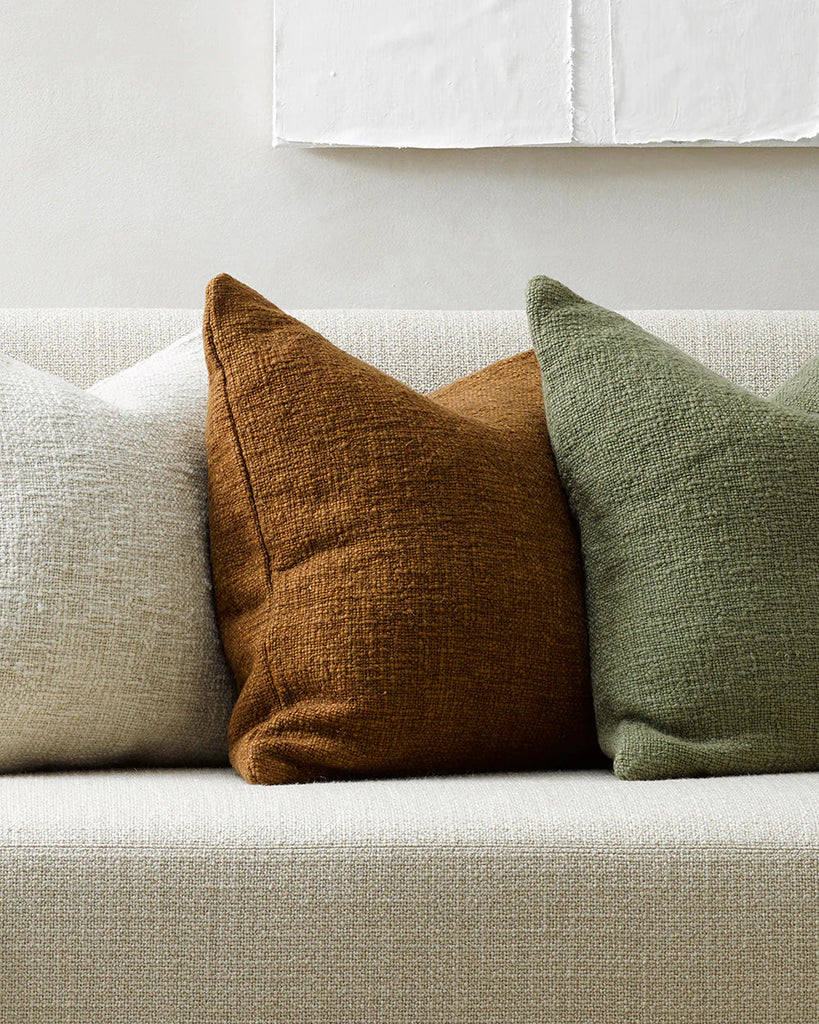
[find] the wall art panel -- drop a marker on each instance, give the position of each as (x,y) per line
(423,73)
(473,73)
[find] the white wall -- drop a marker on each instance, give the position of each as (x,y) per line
(136,162)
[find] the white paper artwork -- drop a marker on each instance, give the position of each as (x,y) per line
(722,70)
(469,73)
(592,85)
(423,73)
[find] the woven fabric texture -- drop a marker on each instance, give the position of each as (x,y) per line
(427,349)
(570,898)
(110,647)
(565,898)
(698,509)
(397,577)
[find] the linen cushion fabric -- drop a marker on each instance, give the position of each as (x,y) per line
(397,577)
(110,650)
(698,509)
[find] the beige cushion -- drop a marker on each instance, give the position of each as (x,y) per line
(427,349)
(565,898)
(109,651)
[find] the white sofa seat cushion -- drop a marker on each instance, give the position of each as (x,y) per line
(182,895)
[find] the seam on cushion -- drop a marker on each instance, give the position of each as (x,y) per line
(256,520)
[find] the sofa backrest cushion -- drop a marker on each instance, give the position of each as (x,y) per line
(426,349)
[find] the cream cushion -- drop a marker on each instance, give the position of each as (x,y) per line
(109,651)
(534,898)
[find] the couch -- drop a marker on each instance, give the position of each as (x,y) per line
(187,895)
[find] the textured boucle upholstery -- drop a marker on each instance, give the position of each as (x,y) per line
(427,348)
(189,896)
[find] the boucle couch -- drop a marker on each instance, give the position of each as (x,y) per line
(189,896)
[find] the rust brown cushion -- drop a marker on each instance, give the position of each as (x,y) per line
(397,577)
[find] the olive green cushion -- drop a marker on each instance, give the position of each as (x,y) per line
(698,509)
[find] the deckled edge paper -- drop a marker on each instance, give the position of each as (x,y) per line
(475,73)
(715,70)
(426,74)
(592,84)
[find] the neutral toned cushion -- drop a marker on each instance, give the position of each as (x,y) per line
(564,898)
(698,508)
(756,348)
(109,651)
(397,577)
